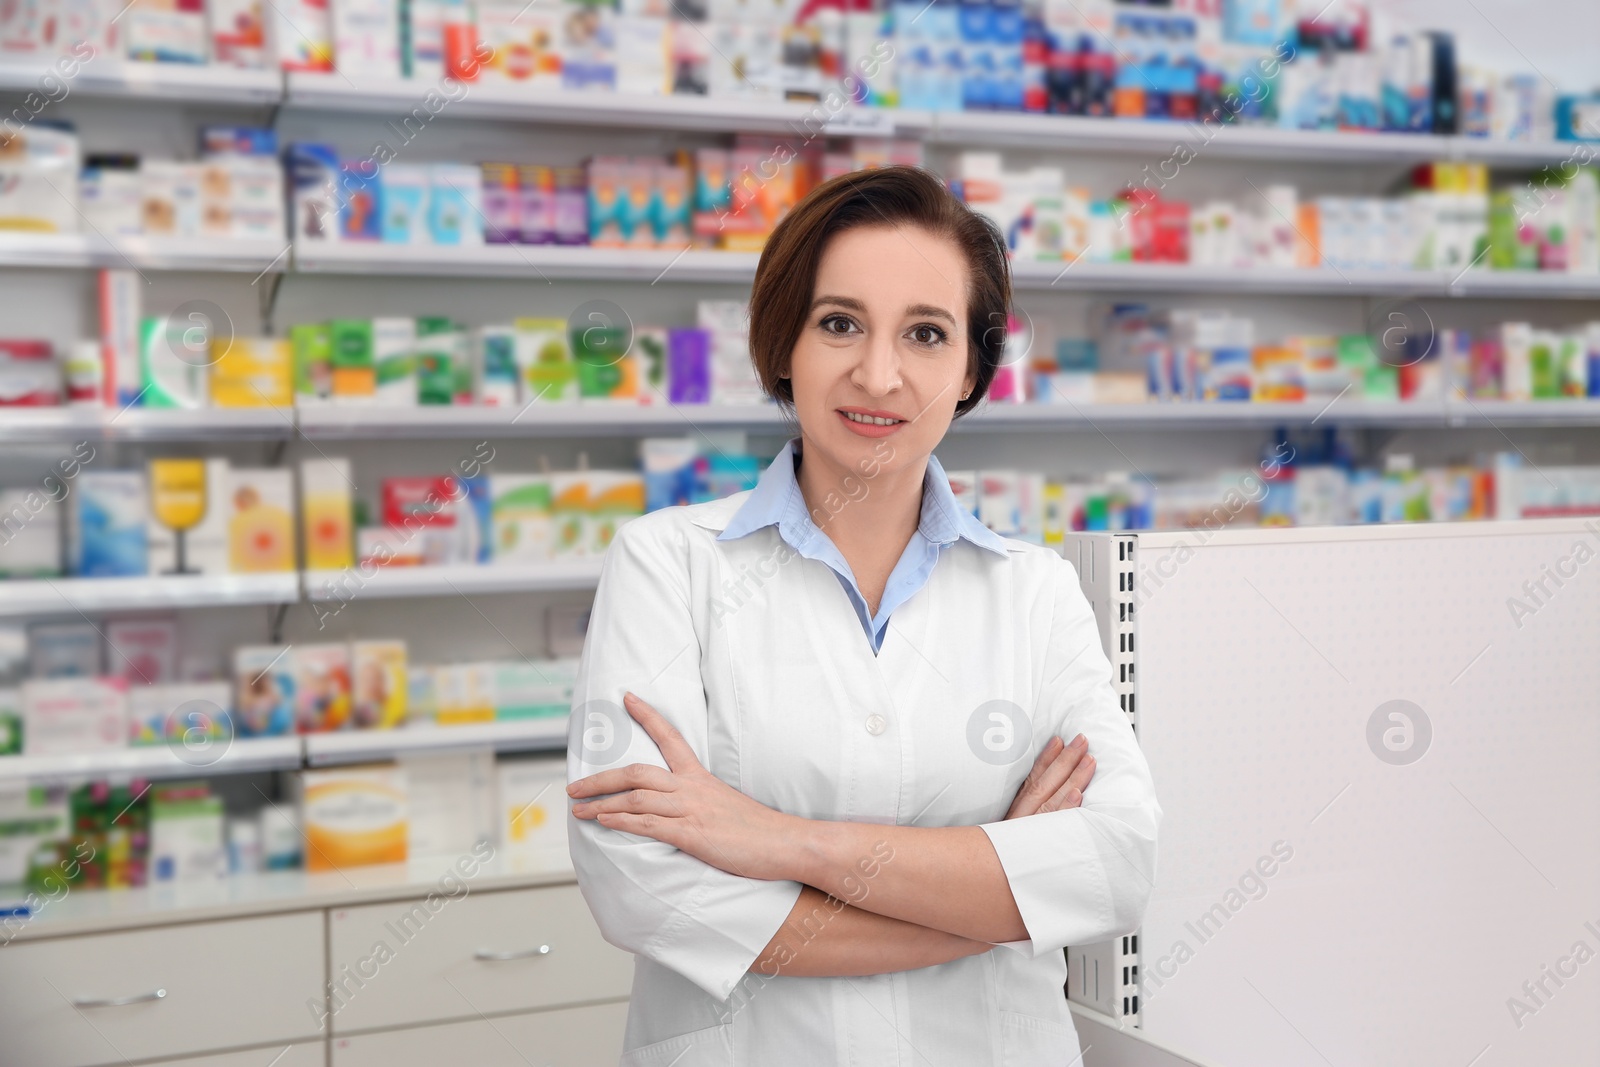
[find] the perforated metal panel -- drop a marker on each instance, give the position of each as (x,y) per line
(1105,976)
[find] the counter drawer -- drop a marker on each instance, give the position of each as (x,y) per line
(569,1037)
(404,963)
(223,985)
(310,1054)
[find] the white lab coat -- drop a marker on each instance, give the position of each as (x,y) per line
(757,657)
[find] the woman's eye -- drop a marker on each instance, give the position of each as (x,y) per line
(837,324)
(927,335)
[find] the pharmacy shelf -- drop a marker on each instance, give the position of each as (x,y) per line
(1317,281)
(535,420)
(999,129)
(141,424)
(82,596)
(157,761)
(1160,140)
(738,268)
(333,91)
(337,423)
(1522,413)
(548,262)
(470,579)
(574,420)
(1340,411)
(360,746)
(248,754)
(182,82)
(74,250)
(1210,414)
(400,97)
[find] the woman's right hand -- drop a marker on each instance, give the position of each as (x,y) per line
(1057,780)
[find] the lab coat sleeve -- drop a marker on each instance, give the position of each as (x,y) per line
(1085,874)
(648,897)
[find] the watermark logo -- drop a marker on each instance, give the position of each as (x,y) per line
(198,333)
(999,732)
(601,332)
(1540,590)
(1251,886)
(1537,992)
(198,732)
(1402,332)
(1013,336)
(607,732)
(1399,733)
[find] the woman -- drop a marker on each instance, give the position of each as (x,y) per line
(830,736)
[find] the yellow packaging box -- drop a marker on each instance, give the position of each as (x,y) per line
(354,816)
(252,372)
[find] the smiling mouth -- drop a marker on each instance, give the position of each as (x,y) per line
(870,420)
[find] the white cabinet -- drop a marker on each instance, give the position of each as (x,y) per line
(165,991)
(402,963)
(569,1037)
(291,975)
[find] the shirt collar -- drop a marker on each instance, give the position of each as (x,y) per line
(777,500)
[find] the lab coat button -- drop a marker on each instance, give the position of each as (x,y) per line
(876,724)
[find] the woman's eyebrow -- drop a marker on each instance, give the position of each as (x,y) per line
(914,310)
(931,311)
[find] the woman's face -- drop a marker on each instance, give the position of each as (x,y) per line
(882,360)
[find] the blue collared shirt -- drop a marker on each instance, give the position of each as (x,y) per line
(777,500)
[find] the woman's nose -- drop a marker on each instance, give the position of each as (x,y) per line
(878,372)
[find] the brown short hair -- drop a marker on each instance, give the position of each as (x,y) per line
(780,299)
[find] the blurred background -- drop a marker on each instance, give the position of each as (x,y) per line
(337,337)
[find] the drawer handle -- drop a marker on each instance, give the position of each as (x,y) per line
(117,1002)
(520,954)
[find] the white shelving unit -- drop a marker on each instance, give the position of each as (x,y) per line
(697,266)
(488,100)
(157,592)
(157,761)
(1143,136)
(325,424)
(133,424)
(22,598)
(1309,281)
(520,103)
(78,251)
(454,580)
(525,261)
(174,82)
(334,92)
(360,746)
(247,754)
(535,420)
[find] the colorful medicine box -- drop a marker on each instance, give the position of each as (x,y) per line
(264,690)
(378,678)
(106,525)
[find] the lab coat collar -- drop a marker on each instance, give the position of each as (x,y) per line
(776,500)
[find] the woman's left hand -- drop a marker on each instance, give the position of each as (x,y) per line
(684,805)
